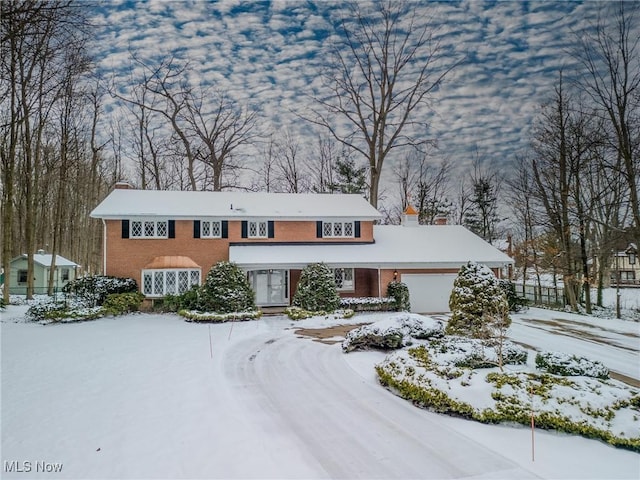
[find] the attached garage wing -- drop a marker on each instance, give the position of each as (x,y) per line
(429,292)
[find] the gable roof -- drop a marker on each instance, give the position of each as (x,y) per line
(174,204)
(427,246)
(44,259)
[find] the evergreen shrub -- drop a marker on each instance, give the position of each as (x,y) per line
(225,290)
(400,293)
(568,365)
(516,302)
(476,300)
(316,290)
(121,303)
(94,289)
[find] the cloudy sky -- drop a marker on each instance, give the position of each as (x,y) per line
(269,53)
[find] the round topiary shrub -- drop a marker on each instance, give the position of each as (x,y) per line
(400,293)
(476,301)
(226,290)
(316,290)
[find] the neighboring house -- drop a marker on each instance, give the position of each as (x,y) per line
(168,241)
(625,268)
(65,271)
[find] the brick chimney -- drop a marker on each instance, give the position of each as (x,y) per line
(121,186)
(440,220)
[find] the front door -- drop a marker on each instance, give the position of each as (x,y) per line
(271,286)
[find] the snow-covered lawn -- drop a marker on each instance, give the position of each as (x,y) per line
(153,396)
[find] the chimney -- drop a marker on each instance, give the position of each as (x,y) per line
(440,220)
(410,217)
(121,186)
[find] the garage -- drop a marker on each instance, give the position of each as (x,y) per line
(429,292)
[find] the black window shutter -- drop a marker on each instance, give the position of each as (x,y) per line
(270,229)
(319,229)
(225,229)
(244,229)
(125,228)
(196,229)
(172,228)
(356,229)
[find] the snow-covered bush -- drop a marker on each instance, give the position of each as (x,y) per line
(393,332)
(94,289)
(226,290)
(208,317)
(62,312)
(316,290)
(568,365)
(476,353)
(189,300)
(121,303)
(400,293)
(368,304)
(297,313)
(476,302)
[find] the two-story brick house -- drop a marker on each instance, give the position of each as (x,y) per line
(168,241)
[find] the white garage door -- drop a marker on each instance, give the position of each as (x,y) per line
(429,293)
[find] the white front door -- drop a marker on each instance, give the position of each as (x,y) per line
(271,286)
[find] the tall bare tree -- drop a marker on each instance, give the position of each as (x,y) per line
(381,83)
(610,56)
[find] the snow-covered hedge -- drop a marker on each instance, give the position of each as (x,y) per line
(368,304)
(568,365)
(297,313)
(196,316)
(63,312)
(605,409)
(393,332)
(94,289)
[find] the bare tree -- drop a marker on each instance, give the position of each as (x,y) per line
(381,80)
(611,59)
(222,127)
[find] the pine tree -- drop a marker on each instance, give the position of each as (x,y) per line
(316,289)
(226,290)
(478,303)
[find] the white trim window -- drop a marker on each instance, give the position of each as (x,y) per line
(149,229)
(257,229)
(344,278)
(338,229)
(170,281)
(210,229)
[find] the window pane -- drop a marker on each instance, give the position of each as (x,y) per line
(162,229)
(206,229)
(136,229)
(195,277)
(183,281)
(158,283)
(149,229)
(327,229)
(147,283)
(171,282)
(215,229)
(253,229)
(337,229)
(348,229)
(22,276)
(263,229)
(338,275)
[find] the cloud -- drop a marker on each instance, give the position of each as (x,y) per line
(270,54)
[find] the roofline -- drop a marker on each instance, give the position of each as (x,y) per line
(371,265)
(276,217)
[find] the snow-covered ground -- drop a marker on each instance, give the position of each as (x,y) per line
(152,396)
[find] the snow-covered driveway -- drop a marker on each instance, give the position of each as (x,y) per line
(615,343)
(148,396)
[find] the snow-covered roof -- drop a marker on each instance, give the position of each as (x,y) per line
(44,259)
(127,203)
(432,246)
